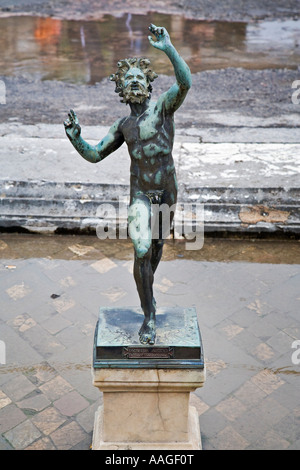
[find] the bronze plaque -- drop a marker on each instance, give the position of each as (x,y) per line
(148,353)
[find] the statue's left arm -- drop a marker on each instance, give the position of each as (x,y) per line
(175,96)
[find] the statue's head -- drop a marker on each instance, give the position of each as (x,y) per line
(133,80)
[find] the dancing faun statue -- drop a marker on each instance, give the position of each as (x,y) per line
(149,134)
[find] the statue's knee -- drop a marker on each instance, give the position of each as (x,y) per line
(142,249)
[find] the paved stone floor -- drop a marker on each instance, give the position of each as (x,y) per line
(247,298)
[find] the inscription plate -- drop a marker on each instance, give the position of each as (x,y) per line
(148,353)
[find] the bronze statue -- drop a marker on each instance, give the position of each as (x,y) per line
(149,134)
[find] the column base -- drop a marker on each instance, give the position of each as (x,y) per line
(193,443)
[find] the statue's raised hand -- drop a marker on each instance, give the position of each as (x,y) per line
(162,37)
(72,126)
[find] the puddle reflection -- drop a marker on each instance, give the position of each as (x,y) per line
(87,51)
(89,247)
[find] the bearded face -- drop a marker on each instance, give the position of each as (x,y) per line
(133,79)
(135,86)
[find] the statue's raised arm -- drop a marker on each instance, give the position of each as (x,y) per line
(175,96)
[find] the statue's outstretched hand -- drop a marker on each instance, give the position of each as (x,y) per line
(72,126)
(162,37)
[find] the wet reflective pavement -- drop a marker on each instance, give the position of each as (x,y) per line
(80,51)
(247,298)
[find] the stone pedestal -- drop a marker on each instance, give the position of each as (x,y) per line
(146,389)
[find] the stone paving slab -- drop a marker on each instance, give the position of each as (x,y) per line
(247,299)
(245,186)
(198,164)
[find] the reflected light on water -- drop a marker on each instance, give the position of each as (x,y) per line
(87,51)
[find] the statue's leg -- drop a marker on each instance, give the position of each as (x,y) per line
(157,250)
(140,233)
(162,229)
(143,276)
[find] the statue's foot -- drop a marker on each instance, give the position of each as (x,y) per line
(147,332)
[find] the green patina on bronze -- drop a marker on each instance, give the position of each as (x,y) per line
(149,134)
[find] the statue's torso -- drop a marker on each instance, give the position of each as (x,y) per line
(150,138)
